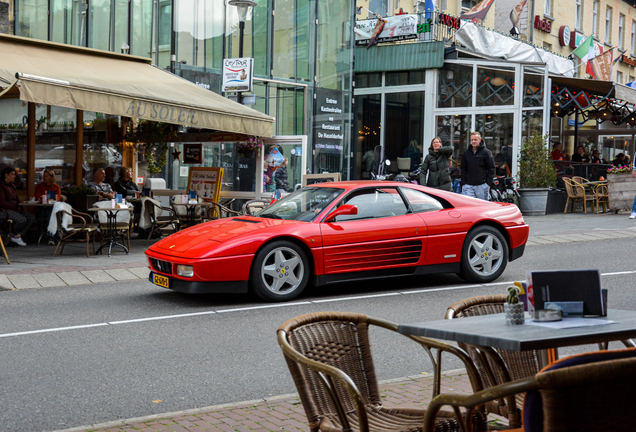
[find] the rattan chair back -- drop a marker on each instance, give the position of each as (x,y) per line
(329,357)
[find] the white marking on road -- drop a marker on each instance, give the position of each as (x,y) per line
(52,330)
(271,306)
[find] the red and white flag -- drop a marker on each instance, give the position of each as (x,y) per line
(479,12)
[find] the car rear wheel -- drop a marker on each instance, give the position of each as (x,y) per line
(484,255)
(280,271)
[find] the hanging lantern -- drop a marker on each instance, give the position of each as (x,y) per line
(582,101)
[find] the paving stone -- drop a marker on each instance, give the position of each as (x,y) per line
(23,281)
(5,283)
(140,272)
(121,274)
(49,280)
(73,278)
(96,276)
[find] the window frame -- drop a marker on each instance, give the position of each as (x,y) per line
(608,24)
(595,15)
(621,31)
(579,15)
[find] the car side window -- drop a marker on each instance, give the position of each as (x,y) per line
(374,203)
(421,202)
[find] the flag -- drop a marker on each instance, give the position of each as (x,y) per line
(516,13)
(479,12)
(429,8)
(585,51)
(618,57)
(379,26)
(600,67)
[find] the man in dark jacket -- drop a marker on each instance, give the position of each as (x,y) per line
(478,168)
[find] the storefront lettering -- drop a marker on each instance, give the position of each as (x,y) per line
(161,112)
(628,60)
(424,27)
(449,21)
(542,24)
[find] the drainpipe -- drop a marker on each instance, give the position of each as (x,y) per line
(530,20)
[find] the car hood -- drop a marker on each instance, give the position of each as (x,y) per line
(222,237)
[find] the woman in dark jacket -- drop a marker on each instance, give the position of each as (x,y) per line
(10,202)
(436,165)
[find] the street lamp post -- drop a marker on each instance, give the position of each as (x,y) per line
(242,7)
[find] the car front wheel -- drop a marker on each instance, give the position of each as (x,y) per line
(484,255)
(280,271)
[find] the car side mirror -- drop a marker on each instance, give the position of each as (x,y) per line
(346,209)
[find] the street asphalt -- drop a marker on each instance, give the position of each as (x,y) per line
(33,268)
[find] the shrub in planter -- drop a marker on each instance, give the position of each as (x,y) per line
(536,175)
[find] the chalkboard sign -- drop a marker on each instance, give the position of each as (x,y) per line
(309,179)
(206,182)
(193,153)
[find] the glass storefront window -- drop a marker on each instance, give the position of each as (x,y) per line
(455,86)
(61,15)
(141,28)
(404,78)
(120,26)
(333,61)
(612,145)
(497,132)
(403,119)
(31,19)
(284,40)
(99,24)
(453,130)
(532,122)
(13,138)
(532,90)
(260,25)
(495,87)
(366,80)
(368,128)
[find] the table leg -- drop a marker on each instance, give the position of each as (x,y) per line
(111,226)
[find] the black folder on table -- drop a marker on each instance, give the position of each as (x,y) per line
(569,285)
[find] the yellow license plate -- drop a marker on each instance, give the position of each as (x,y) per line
(162,281)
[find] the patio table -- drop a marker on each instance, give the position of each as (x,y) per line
(492,331)
(111,228)
(43,223)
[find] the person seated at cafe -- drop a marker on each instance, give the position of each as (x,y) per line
(98,184)
(125,184)
(581,155)
(557,155)
(9,201)
(619,160)
(596,157)
(48,185)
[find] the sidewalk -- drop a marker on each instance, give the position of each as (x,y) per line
(281,413)
(33,267)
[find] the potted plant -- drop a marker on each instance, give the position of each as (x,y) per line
(249,147)
(152,140)
(621,187)
(512,308)
(81,197)
(536,175)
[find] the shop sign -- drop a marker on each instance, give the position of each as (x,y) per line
(161,112)
(206,80)
(542,24)
(564,35)
(396,28)
(192,153)
(628,60)
(238,74)
(424,27)
(329,121)
(449,21)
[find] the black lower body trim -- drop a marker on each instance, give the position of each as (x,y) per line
(517,252)
(195,287)
(385,273)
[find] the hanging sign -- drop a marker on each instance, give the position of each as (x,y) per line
(238,74)
(192,153)
(397,28)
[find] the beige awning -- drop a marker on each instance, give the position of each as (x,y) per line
(601,88)
(91,80)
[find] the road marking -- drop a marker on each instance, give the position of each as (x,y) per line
(271,306)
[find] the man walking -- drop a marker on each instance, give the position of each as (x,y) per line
(478,168)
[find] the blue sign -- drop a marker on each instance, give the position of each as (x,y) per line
(571,123)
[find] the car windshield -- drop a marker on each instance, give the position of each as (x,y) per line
(302,205)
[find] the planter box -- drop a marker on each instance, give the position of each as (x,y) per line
(533,201)
(622,189)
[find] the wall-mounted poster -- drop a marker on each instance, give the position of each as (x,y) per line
(309,179)
(206,182)
(193,153)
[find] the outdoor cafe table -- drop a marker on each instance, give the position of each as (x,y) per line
(43,222)
(191,210)
(111,227)
(492,331)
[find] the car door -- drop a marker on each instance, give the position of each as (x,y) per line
(445,228)
(384,234)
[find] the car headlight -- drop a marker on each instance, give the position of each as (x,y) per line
(185,270)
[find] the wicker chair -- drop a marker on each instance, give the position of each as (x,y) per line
(584,393)
(218,211)
(160,218)
(329,357)
(251,207)
(576,193)
(601,195)
(496,366)
(5,225)
(81,229)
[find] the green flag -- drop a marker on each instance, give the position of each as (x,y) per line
(585,51)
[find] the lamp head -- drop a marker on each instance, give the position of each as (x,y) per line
(242,6)
(514,31)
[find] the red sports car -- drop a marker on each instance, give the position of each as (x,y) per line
(343,231)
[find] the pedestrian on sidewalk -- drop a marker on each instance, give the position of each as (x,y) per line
(633,215)
(478,168)
(9,201)
(436,166)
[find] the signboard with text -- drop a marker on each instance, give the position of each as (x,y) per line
(238,74)
(192,153)
(329,124)
(396,28)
